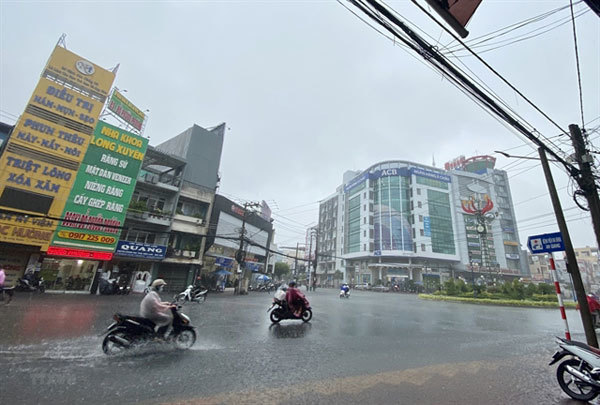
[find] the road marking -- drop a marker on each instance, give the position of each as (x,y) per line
(345,385)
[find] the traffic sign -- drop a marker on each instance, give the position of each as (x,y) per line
(546,243)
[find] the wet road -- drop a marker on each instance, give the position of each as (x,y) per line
(373,348)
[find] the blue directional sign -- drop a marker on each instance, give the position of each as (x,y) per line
(546,243)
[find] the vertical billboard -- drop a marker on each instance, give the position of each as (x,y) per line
(126,111)
(42,156)
(97,204)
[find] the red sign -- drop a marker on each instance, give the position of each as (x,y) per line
(79,253)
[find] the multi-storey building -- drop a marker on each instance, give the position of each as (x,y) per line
(401,220)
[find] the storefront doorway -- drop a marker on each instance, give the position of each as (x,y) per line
(68,275)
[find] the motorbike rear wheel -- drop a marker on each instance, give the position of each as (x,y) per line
(109,347)
(571,385)
(306,315)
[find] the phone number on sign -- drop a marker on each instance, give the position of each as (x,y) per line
(108,240)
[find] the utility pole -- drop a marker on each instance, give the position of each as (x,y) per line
(572,266)
(310,279)
(315,262)
(296,260)
(586,180)
(240,255)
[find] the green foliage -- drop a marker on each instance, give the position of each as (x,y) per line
(544,288)
(530,289)
(338,275)
(281,269)
(138,206)
(545,298)
(503,302)
(450,287)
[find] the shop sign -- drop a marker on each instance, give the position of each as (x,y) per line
(78,253)
(140,250)
(126,110)
(78,72)
(512,256)
(399,171)
(42,155)
(224,261)
(355,182)
(427,226)
(24,229)
(511,243)
(97,204)
(430,174)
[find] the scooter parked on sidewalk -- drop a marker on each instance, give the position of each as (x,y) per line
(130,331)
(30,283)
(579,374)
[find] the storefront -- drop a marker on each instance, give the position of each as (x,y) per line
(68,275)
(15,259)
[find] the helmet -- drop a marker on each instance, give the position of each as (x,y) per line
(157,283)
(292,284)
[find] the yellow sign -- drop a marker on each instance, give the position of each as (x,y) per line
(49,138)
(511,243)
(42,156)
(108,240)
(19,228)
(65,66)
(65,102)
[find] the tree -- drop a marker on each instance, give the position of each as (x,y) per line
(281,269)
(338,275)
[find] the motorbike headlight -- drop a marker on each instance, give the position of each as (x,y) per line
(185,318)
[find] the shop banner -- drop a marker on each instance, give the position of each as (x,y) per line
(140,250)
(126,110)
(97,205)
(43,154)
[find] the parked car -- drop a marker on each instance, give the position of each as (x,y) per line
(381,288)
(363,286)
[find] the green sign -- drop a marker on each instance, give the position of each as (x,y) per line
(126,110)
(97,205)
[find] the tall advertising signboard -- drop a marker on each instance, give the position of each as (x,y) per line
(42,156)
(126,111)
(97,205)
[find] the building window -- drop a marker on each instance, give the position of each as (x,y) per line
(420,218)
(365,195)
(419,204)
(440,215)
(423,247)
(365,247)
(365,207)
(365,233)
(422,232)
(365,220)
(418,191)
(414,233)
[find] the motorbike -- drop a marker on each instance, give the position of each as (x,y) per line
(344,293)
(579,374)
(129,331)
(281,310)
(30,285)
(192,294)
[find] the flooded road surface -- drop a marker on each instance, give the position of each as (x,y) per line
(373,348)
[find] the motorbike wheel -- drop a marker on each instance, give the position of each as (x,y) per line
(111,348)
(185,339)
(571,385)
(42,289)
(306,315)
(275,316)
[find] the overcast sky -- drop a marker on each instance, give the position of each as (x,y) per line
(309,91)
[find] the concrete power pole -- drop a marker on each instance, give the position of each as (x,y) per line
(572,267)
(586,180)
(240,255)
